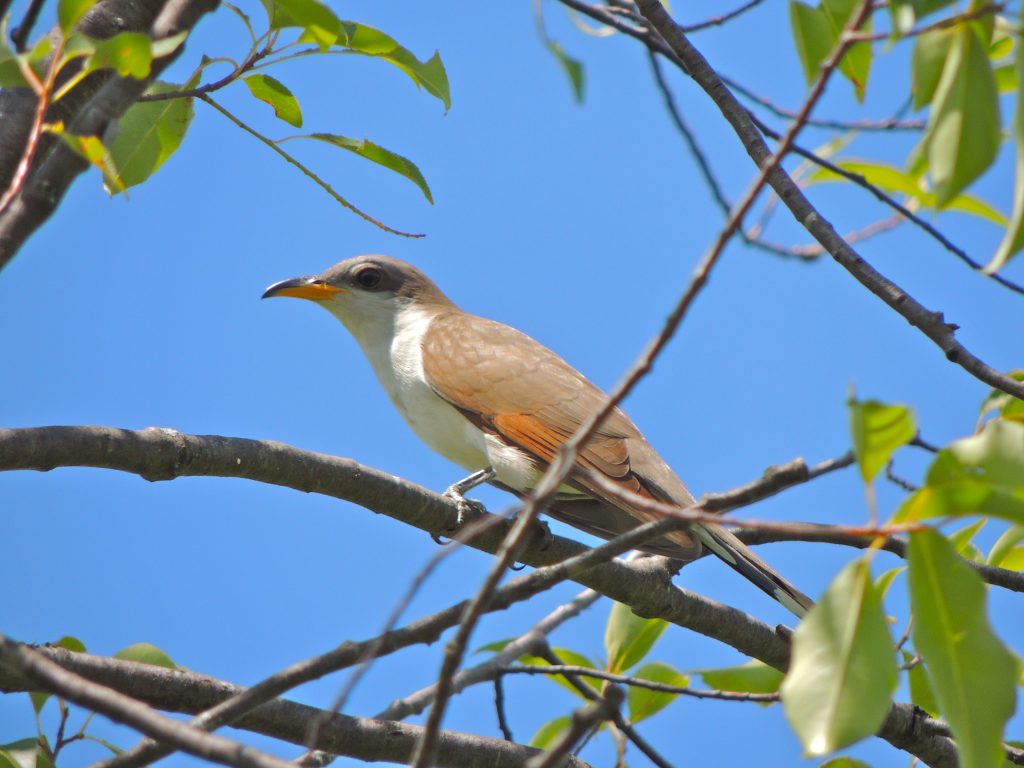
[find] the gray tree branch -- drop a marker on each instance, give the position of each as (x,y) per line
(181,691)
(163,454)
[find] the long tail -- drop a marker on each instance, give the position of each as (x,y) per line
(728,548)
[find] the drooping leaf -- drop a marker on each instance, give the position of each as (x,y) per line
(930,52)
(1007,406)
(573,69)
(92,150)
(842,674)
(146,653)
(644,703)
(1013,240)
(972,674)
(70,12)
(275,93)
(844,762)
(892,179)
(961,539)
(551,730)
(752,677)
(628,638)
(317,21)
(883,582)
(962,137)
(149,133)
(429,75)
(878,430)
(856,63)
(376,153)
(812,35)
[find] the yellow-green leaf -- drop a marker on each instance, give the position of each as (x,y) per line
(752,677)
(878,430)
(1013,240)
(70,12)
(318,22)
(130,54)
(842,674)
(930,52)
(1005,544)
(628,637)
(551,730)
(962,137)
(92,150)
(812,35)
(376,153)
(146,653)
(972,674)
(643,702)
(275,93)
(569,658)
(149,133)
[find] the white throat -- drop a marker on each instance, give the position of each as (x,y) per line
(390,332)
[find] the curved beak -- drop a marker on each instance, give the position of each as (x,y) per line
(310,287)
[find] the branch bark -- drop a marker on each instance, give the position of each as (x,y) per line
(164,454)
(177,690)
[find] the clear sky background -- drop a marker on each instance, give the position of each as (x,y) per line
(578,224)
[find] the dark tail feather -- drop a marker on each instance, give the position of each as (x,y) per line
(740,558)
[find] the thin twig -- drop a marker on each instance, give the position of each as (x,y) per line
(120,708)
(499,709)
(990,9)
(931,324)
(320,182)
(639,682)
(582,722)
(250,61)
(717,21)
(19,36)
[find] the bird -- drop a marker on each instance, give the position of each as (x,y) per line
(498,403)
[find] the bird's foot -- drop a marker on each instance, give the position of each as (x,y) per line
(467,508)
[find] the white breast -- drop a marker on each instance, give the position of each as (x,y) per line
(393,343)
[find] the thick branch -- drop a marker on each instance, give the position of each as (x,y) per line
(163,454)
(54,170)
(177,690)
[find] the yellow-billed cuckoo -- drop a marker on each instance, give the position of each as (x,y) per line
(485,395)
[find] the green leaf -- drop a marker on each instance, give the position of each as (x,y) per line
(273,92)
(72,643)
(752,677)
(146,653)
(812,35)
(376,153)
(10,72)
(844,762)
(150,132)
(70,12)
(1006,78)
(628,637)
(972,673)
(883,582)
(892,179)
(19,754)
(842,674)
(962,137)
(1013,240)
(856,64)
(569,658)
(930,52)
(318,21)
(1008,406)
(551,730)
(573,69)
(920,688)
(1004,545)
(429,75)
(644,703)
(878,430)
(961,539)
(92,150)
(130,54)
(6,760)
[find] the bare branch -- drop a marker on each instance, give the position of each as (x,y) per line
(931,324)
(183,691)
(583,721)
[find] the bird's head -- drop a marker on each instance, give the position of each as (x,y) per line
(367,293)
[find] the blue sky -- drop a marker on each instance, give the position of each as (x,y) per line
(578,224)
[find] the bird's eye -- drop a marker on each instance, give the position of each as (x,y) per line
(369,277)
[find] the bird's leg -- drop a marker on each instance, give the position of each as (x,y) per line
(457,492)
